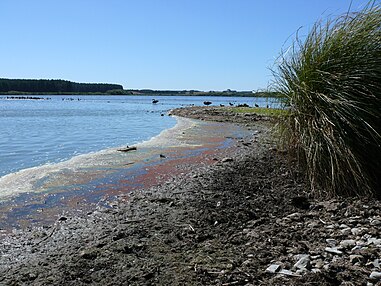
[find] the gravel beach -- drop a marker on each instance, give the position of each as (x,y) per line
(246,219)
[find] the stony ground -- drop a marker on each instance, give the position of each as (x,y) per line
(247,220)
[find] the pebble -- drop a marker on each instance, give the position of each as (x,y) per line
(318,263)
(224,160)
(348,243)
(355,258)
(358,231)
(303,263)
(331,242)
(375,241)
(375,276)
(273,268)
(288,273)
(345,231)
(294,216)
(376,263)
(375,222)
(333,250)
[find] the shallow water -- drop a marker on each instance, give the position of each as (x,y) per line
(42,194)
(38,136)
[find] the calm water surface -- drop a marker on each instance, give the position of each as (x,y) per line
(38,132)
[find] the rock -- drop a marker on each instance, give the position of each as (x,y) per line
(288,273)
(375,222)
(355,258)
(319,263)
(273,268)
(333,250)
(345,231)
(62,218)
(375,241)
(358,230)
(348,243)
(224,160)
(376,263)
(89,254)
(294,216)
(375,276)
(301,271)
(331,242)
(303,263)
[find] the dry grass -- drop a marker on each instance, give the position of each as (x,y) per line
(332,85)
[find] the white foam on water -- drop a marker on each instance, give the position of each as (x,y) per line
(27,180)
(172,137)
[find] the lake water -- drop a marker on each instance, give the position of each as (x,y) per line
(40,132)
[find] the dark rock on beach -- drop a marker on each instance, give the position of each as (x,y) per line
(248,221)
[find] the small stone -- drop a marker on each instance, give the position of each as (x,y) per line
(355,231)
(376,263)
(301,271)
(374,241)
(318,263)
(355,258)
(331,242)
(294,216)
(375,276)
(348,243)
(375,222)
(343,226)
(303,263)
(273,268)
(333,250)
(315,270)
(358,230)
(224,160)
(345,231)
(88,254)
(288,273)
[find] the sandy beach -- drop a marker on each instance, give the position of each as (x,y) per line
(236,211)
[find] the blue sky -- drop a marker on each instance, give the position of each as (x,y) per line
(156,44)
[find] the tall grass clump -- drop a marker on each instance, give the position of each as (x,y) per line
(331,81)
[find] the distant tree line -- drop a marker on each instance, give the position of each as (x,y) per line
(151,92)
(54,86)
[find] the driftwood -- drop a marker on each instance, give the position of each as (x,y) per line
(127,149)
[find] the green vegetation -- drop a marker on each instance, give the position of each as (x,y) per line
(272,112)
(331,82)
(57,86)
(228,92)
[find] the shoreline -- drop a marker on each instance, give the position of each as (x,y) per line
(215,224)
(77,186)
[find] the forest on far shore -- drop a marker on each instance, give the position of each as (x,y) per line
(17,86)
